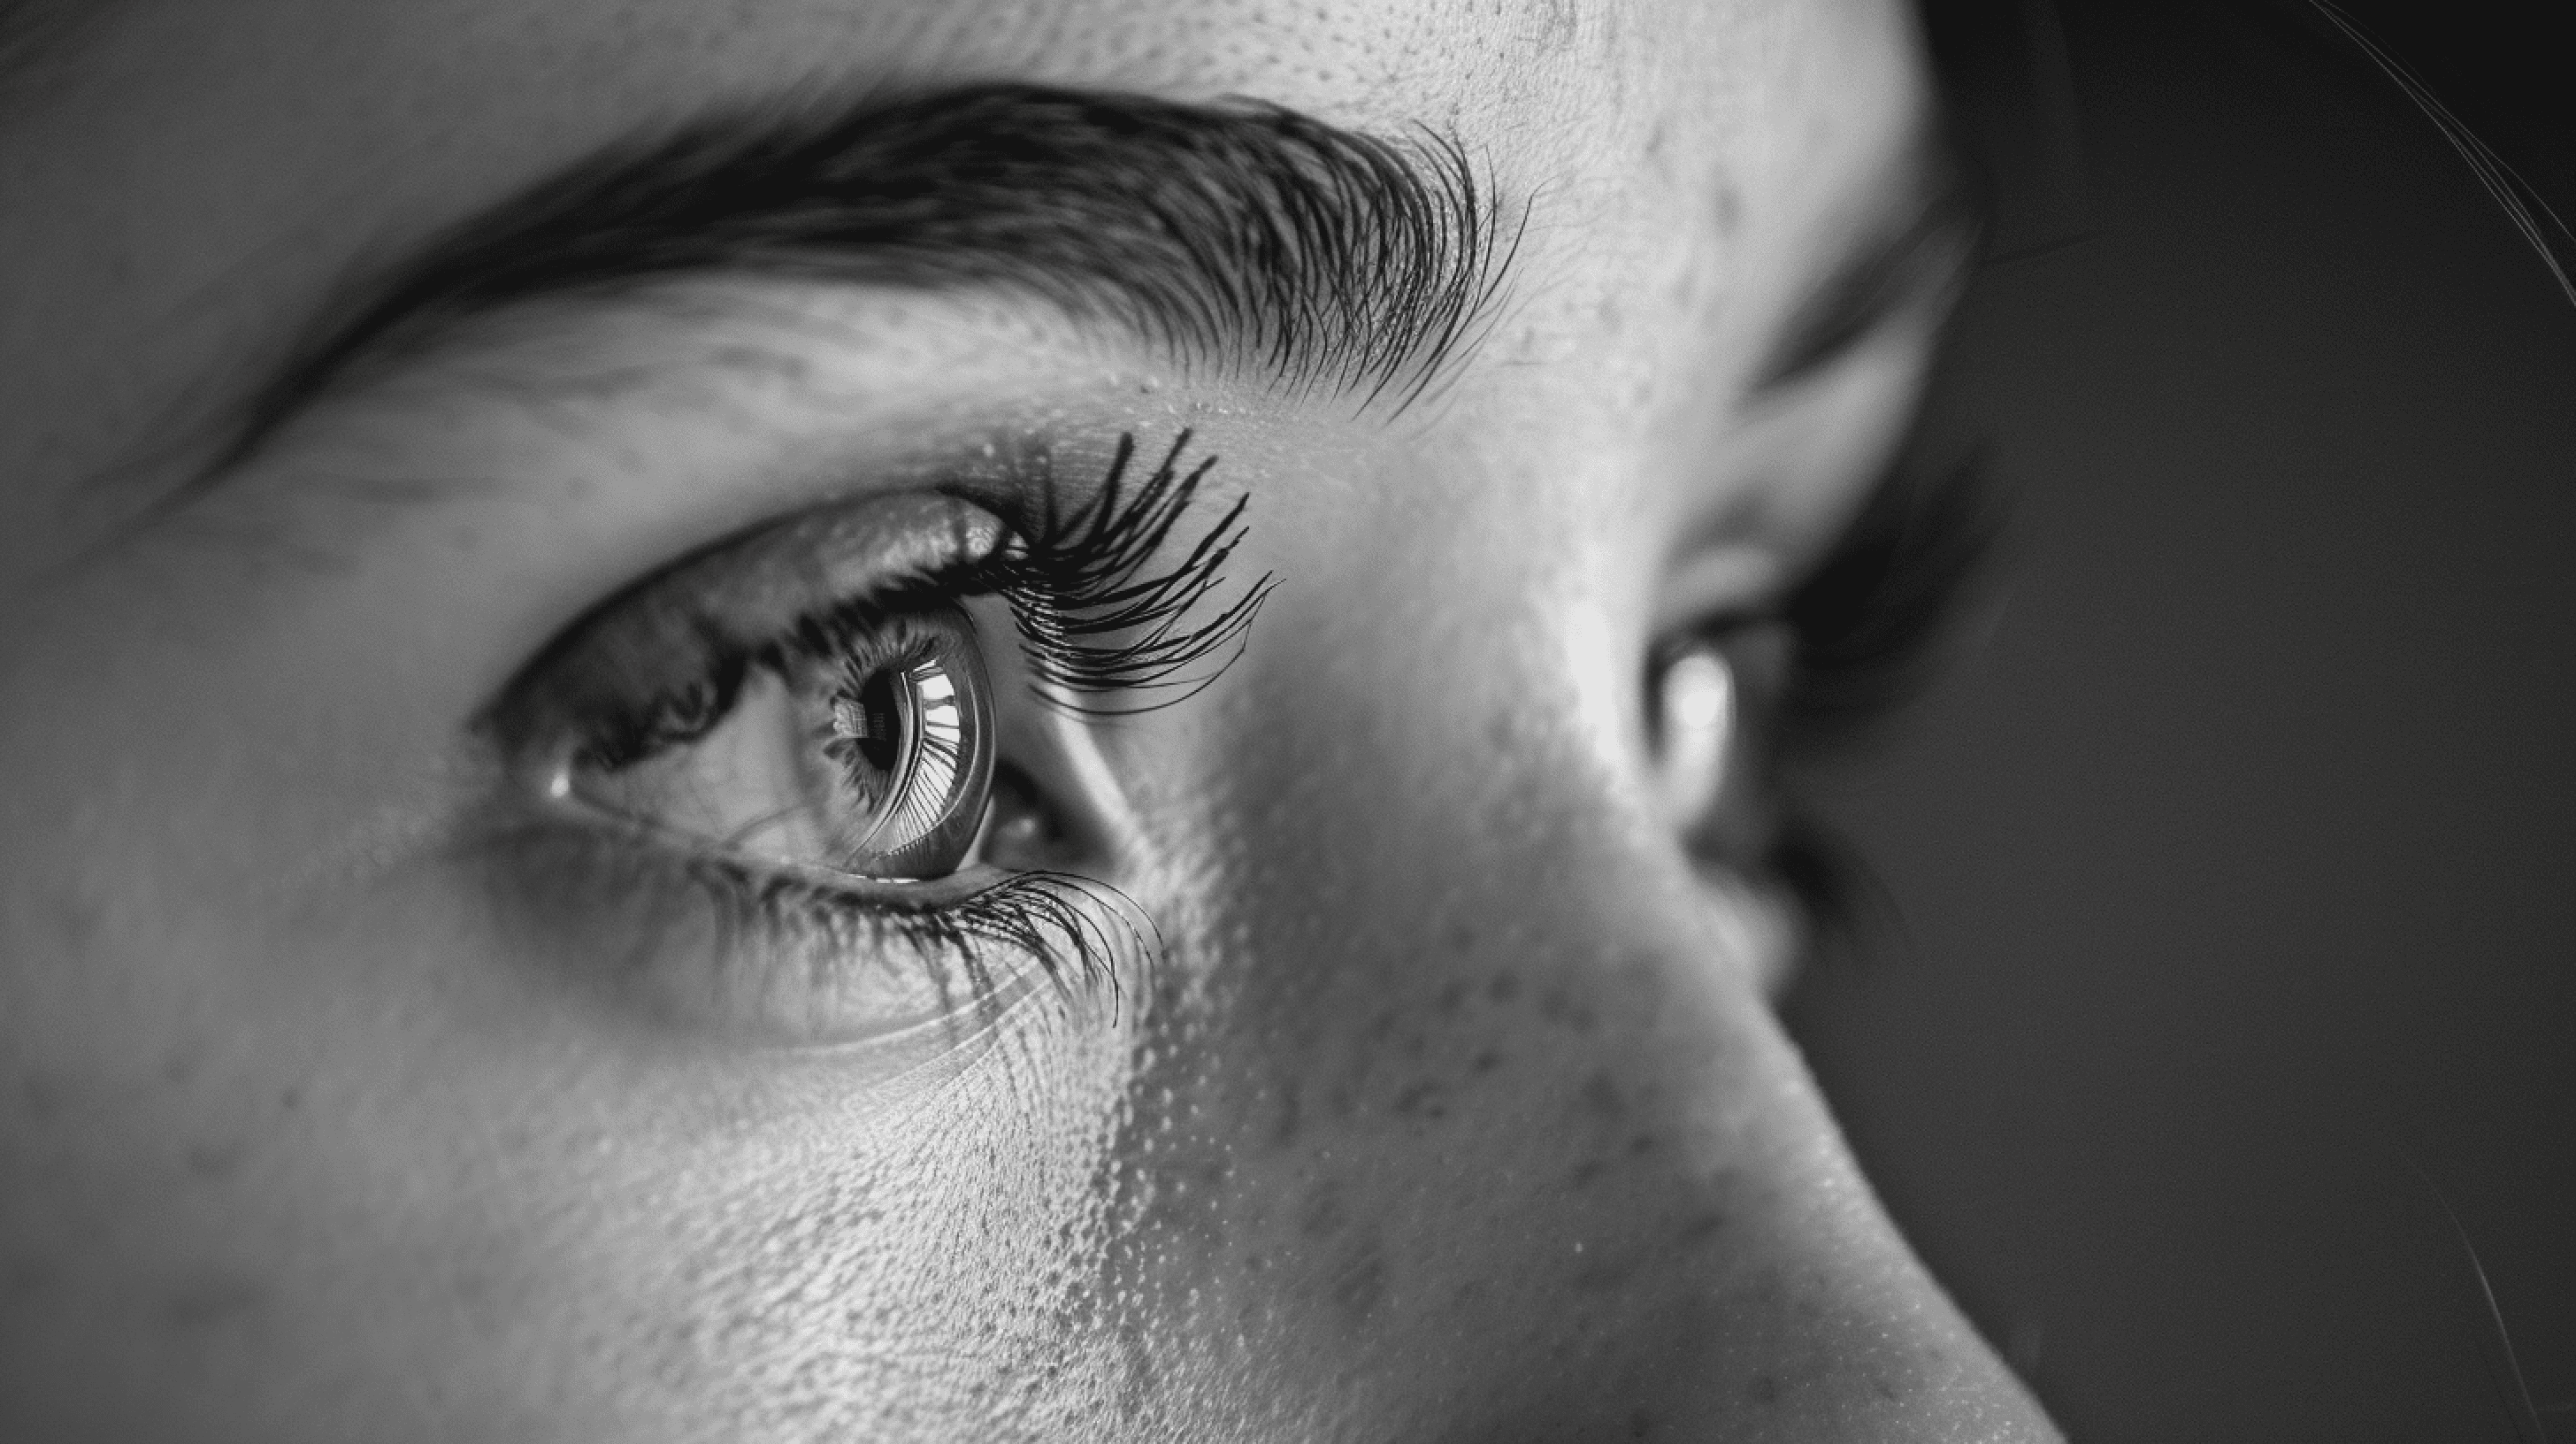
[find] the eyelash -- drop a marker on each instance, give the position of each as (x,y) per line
(1079,579)
(1073,927)
(1870,623)
(1096,627)
(1870,618)
(1867,624)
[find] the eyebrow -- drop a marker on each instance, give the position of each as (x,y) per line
(1916,254)
(1237,232)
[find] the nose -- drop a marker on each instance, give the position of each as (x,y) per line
(1464,1118)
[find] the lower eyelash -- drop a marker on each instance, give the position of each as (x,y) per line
(1075,929)
(1103,636)
(706,932)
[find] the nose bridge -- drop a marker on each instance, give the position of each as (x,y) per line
(1464,1104)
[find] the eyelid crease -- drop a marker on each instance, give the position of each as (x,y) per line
(1722,581)
(1917,260)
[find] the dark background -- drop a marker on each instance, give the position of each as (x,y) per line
(2233,864)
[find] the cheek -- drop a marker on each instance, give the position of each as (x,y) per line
(457,1198)
(1399,1186)
(924,1258)
(1428,1114)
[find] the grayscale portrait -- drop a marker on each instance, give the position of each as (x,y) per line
(1460,721)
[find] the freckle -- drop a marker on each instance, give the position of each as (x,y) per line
(1585,1172)
(215,1162)
(1643,1143)
(290,1100)
(1764,1390)
(1323,1216)
(1360,1285)
(1729,205)
(1699,1228)
(1290,1118)
(1601,1095)
(1452,998)
(1422,1100)
(1560,1007)
(1486,1061)
(1640,1424)
(212,1299)
(1503,986)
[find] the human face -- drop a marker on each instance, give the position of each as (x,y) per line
(438,1001)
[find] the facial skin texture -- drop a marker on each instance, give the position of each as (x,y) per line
(1452,1108)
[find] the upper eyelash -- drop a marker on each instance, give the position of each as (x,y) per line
(1868,624)
(1870,618)
(1092,624)
(1078,598)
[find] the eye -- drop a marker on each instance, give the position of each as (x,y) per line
(861,745)
(784,763)
(1709,698)
(745,795)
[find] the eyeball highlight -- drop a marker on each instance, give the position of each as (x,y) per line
(866,749)
(1695,724)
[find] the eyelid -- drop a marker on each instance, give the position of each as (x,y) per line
(1726,581)
(731,599)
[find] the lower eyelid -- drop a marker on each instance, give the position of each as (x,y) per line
(702,947)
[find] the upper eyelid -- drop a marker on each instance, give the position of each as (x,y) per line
(1916,258)
(739,594)
(1093,618)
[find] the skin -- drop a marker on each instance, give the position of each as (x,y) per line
(1453,1106)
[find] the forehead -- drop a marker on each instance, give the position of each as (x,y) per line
(189,179)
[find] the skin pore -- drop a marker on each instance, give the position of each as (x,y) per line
(1423,1084)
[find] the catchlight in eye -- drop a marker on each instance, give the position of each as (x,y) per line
(909,737)
(863,746)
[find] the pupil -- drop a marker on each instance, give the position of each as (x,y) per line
(879,738)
